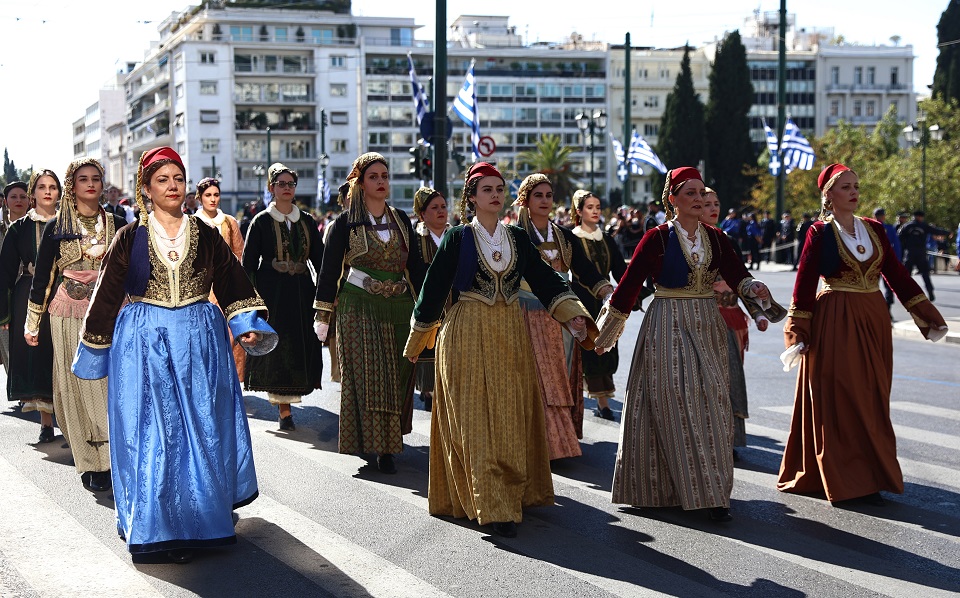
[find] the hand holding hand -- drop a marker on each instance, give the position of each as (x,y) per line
(321,331)
(578,324)
(760,290)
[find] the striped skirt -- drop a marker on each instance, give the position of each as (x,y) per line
(676,435)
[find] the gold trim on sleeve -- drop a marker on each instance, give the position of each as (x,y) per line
(914,301)
(793,312)
(254,303)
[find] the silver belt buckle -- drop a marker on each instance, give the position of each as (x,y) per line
(77,290)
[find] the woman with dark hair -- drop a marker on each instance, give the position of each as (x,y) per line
(181,453)
(68,263)
(28,377)
(281,241)
(559,369)
(208,198)
(372,251)
(841,439)
(430,207)
(676,433)
(13,209)
(602,250)
(488,449)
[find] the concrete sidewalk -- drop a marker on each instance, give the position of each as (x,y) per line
(907,329)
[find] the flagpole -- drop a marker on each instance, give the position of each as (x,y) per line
(439,99)
(626,116)
(781,101)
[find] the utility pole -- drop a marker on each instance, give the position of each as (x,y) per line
(627,129)
(781,102)
(439,100)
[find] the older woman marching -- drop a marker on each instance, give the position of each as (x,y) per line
(29,378)
(280,242)
(559,369)
(181,446)
(676,433)
(431,208)
(72,247)
(374,244)
(841,439)
(488,449)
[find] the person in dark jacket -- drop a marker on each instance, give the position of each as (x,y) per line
(913,239)
(880,215)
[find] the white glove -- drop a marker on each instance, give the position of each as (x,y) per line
(321,330)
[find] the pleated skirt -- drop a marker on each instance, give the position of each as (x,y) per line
(488,449)
(181,452)
(676,435)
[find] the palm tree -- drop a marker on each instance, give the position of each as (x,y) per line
(551,158)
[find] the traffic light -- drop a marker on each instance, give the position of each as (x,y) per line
(426,166)
(415,153)
(460,160)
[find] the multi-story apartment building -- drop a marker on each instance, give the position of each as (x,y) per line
(90,132)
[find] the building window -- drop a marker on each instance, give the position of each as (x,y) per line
(280,33)
(871,108)
(380,138)
(835,75)
(651,102)
(340,146)
(208,58)
(322,37)
(871,75)
(339,118)
(209,146)
(208,88)
(182,148)
(178,120)
(338,62)
(338,90)
(835,108)
(858,75)
(178,91)
(241,34)
(178,61)
(209,116)
(643,73)
(651,130)
(894,75)
(664,73)
(338,173)
(858,108)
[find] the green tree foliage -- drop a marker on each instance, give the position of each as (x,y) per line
(946,79)
(681,137)
(551,158)
(10,173)
(729,150)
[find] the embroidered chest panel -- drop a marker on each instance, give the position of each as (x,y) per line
(854,273)
(172,286)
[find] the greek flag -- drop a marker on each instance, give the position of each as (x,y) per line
(465,106)
(773,148)
(323,190)
(618,150)
(796,150)
(419,94)
(640,151)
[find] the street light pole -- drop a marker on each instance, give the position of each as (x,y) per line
(258,170)
(591,123)
(921,135)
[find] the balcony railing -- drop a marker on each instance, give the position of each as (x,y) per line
(271,98)
(274,128)
(866,87)
(151,111)
(290,38)
(279,69)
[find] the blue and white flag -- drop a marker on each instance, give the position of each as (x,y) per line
(419,94)
(640,151)
(465,106)
(773,148)
(618,150)
(323,190)
(795,149)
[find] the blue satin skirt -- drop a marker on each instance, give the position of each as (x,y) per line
(179,439)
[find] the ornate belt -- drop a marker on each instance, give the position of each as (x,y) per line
(289,267)
(384,288)
(78,290)
(26,270)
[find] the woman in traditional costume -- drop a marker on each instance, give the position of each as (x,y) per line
(68,262)
(602,250)
(208,198)
(15,202)
(559,369)
(182,460)
(676,433)
(488,451)
(738,329)
(841,439)
(29,378)
(281,241)
(374,252)
(430,207)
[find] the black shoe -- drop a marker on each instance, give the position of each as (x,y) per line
(427,399)
(874,499)
(506,529)
(286,423)
(385,464)
(931,297)
(46,434)
(99,481)
(180,556)
(720,514)
(604,413)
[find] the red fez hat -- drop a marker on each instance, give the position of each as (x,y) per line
(679,176)
(161,153)
(828,173)
(482,169)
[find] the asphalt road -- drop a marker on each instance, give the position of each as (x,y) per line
(329,525)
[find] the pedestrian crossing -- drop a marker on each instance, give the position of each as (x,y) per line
(331,527)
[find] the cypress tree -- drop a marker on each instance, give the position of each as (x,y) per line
(729,148)
(946,79)
(681,136)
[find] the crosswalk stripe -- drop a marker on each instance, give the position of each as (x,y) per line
(904,432)
(357,565)
(73,561)
(922,409)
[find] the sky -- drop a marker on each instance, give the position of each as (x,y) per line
(56,54)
